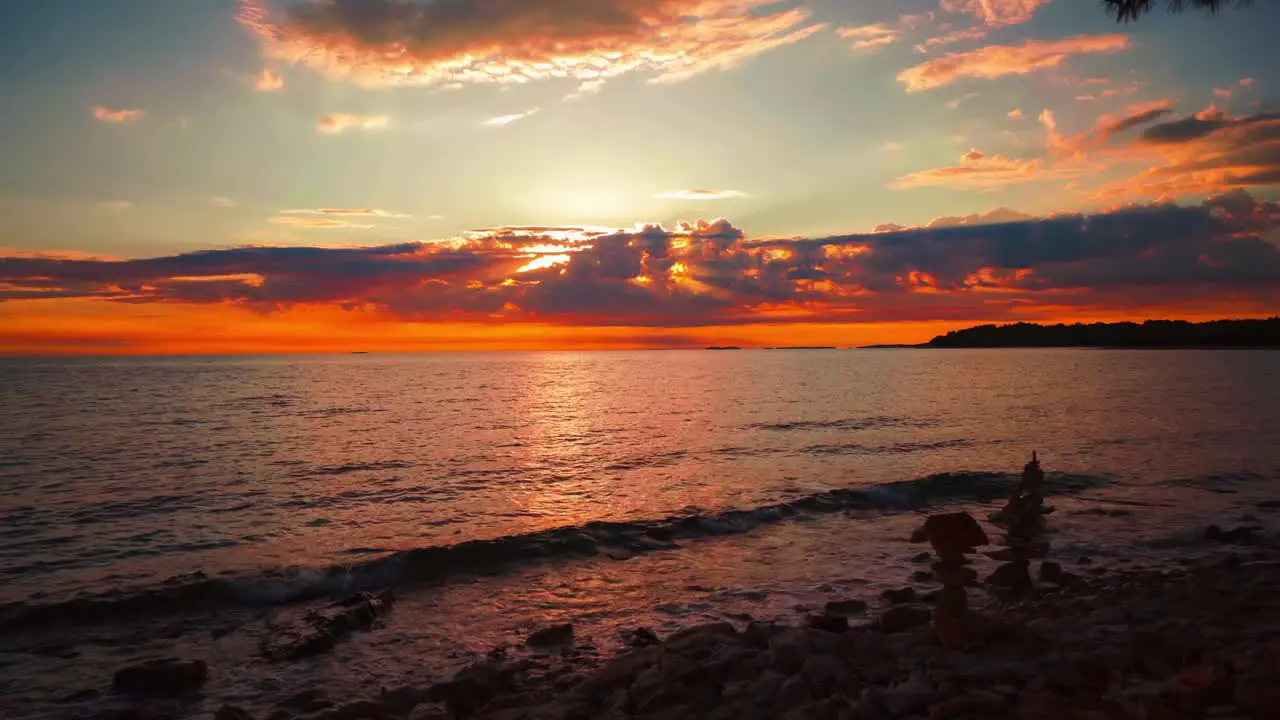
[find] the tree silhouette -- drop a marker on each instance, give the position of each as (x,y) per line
(1126,10)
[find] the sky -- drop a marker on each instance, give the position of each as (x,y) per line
(261,176)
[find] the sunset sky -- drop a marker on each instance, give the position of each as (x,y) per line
(222,176)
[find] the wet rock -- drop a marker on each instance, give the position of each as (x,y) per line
(429,712)
(1233,536)
(903,617)
(824,673)
(1108,616)
(403,699)
(954,534)
(899,596)
(908,697)
(168,677)
(554,635)
(788,649)
(81,695)
(307,701)
(758,633)
(321,630)
(1269,504)
(642,637)
(1258,692)
(358,710)
(828,623)
(231,712)
(472,687)
(950,573)
(131,714)
(621,672)
(921,558)
(980,703)
(921,576)
(701,637)
(1084,560)
(1012,575)
(793,693)
(845,607)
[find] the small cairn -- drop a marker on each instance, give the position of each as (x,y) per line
(953,536)
(1022,523)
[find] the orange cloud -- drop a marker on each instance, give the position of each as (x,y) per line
(996,61)
(342,122)
(977,171)
(870,37)
(1015,114)
(699,194)
(118,116)
(416,42)
(268,81)
(996,13)
(955,36)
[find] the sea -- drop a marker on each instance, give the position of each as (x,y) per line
(191,506)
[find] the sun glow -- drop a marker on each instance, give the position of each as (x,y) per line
(543,261)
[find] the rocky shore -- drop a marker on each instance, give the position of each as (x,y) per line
(1036,639)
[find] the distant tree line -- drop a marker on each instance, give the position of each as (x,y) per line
(1152,333)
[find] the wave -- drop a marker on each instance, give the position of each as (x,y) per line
(198,592)
(848,424)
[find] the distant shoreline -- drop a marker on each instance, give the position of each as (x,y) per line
(1149,335)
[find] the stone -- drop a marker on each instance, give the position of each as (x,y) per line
(903,617)
(231,712)
(471,687)
(899,596)
(1109,615)
(953,534)
(1233,536)
(131,714)
(359,710)
(1258,692)
(846,607)
(921,576)
(788,649)
(824,673)
(1013,575)
(953,574)
(908,697)
(402,699)
(307,701)
(982,703)
(553,635)
(690,640)
(642,637)
(168,677)
(793,693)
(620,672)
(921,558)
(828,623)
(1050,571)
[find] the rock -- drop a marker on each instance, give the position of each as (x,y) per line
(793,693)
(168,677)
(953,574)
(903,617)
(981,703)
(358,710)
(1084,560)
(429,712)
(921,576)
(321,630)
(1109,615)
(954,534)
(690,640)
(471,687)
(1015,575)
(899,596)
(81,695)
(403,699)
(908,697)
(1258,692)
(131,714)
(307,701)
(824,673)
(828,623)
(1235,535)
(231,712)
(642,637)
(619,673)
(1269,504)
(788,649)
(554,635)
(848,607)
(1050,571)
(921,558)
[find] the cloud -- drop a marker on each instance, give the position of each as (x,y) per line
(878,35)
(115,205)
(1246,82)
(996,13)
(1015,114)
(341,122)
(978,171)
(502,120)
(222,202)
(422,42)
(370,212)
(699,194)
(268,81)
(585,88)
(1104,129)
(318,223)
(995,61)
(118,116)
(993,265)
(955,102)
(955,36)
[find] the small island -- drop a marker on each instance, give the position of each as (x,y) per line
(724,347)
(1149,334)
